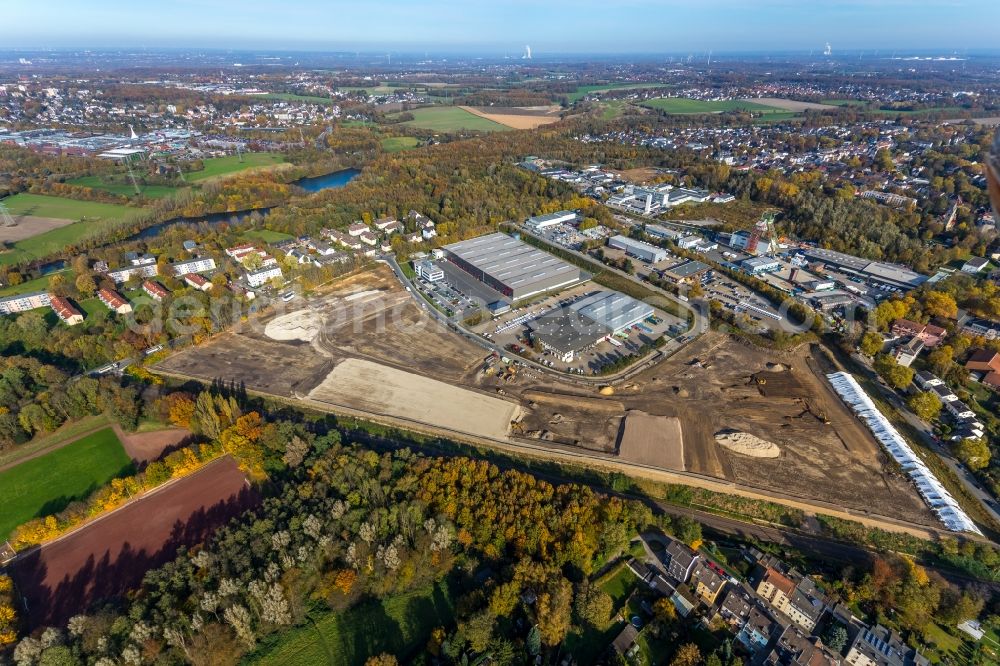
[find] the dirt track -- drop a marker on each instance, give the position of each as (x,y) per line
(109,556)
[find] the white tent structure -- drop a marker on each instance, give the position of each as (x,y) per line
(935,495)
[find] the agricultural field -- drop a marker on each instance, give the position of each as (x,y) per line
(123,189)
(48,483)
(583,91)
(684,105)
(451,119)
(395,144)
(40,205)
(518,117)
(350,637)
(224,166)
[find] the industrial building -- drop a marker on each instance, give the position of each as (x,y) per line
(428,270)
(586,322)
(877,272)
(540,222)
(638,249)
(512,267)
(760,265)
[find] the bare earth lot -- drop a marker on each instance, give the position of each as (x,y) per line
(789,104)
(110,556)
(379,389)
(376,351)
(30,225)
(518,117)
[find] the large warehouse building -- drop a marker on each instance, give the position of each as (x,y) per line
(511,267)
(584,323)
(875,272)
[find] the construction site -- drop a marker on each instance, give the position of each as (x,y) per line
(715,411)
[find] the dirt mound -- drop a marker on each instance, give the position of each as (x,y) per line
(746,444)
(776,367)
(301,325)
(565,400)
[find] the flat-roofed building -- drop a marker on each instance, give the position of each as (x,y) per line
(586,322)
(428,270)
(24,302)
(881,273)
(196,265)
(638,249)
(511,267)
(540,222)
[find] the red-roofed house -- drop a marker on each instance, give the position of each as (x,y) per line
(114,301)
(929,334)
(197,282)
(155,290)
(983,360)
(66,312)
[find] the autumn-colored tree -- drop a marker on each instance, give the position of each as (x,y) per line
(553,611)
(926,405)
(940,304)
(384,659)
(180,409)
(687,655)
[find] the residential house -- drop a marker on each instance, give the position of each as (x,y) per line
(388,225)
(983,360)
(625,642)
(368,238)
(126,273)
(196,265)
(708,581)
(155,290)
(985,328)
(789,593)
(263,276)
(926,380)
(757,631)
(681,562)
(357,229)
(879,646)
(68,314)
(736,602)
(906,353)
(975,265)
(196,281)
(796,648)
(929,334)
(114,301)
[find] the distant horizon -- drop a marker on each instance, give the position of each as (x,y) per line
(553,27)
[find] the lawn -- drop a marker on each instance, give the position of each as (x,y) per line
(618,583)
(266,235)
(38,284)
(451,119)
(47,484)
(395,144)
(683,105)
(150,191)
(582,91)
(397,625)
(41,205)
(223,166)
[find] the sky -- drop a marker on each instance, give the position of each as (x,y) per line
(496,26)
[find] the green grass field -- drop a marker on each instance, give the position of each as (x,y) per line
(397,625)
(223,166)
(395,144)
(38,284)
(451,119)
(681,105)
(266,235)
(98,216)
(291,97)
(47,484)
(150,191)
(583,91)
(41,205)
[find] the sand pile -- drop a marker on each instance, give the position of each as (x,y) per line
(299,325)
(748,445)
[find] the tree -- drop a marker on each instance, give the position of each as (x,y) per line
(593,606)
(534,641)
(478,630)
(926,405)
(687,655)
(835,637)
(384,659)
(871,343)
(898,376)
(664,610)
(940,304)
(553,608)
(941,359)
(85,283)
(975,453)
